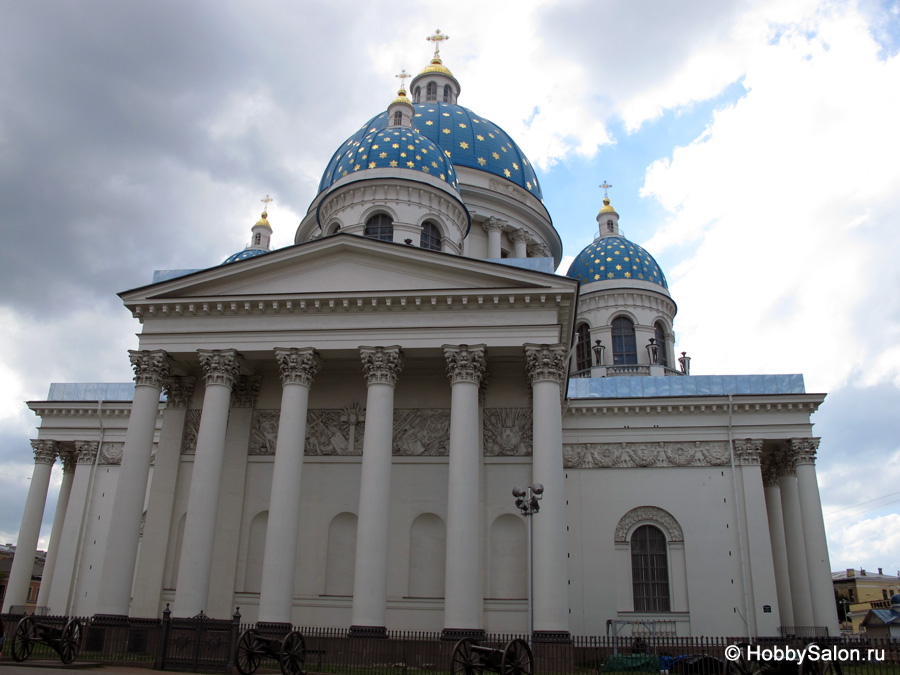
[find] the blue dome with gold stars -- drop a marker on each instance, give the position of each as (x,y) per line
(614,257)
(464,138)
(243,255)
(389,147)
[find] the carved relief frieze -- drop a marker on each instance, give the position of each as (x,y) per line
(111,453)
(191,429)
(506,189)
(508,432)
(334,432)
(421,432)
(632,455)
(263,432)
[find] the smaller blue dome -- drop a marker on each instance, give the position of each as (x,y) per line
(243,255)
(391,148)
(615,257)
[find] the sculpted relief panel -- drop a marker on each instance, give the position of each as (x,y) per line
(508,432)
(625,455)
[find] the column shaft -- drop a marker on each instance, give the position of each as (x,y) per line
(546,367)
(796,552)
(59,518)
(463,585)
(381,367)
(114,598)
(493,227)
(276,600)
(30,530)
(775,517)
(192,588)
(817,563)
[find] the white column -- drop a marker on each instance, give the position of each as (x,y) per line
(463,585)
(221,368)
(493,227)
(519,238)
(26,546)
(151,563)
(59,518)
(151,368)
(793,539)
(546,370)
(817,563)
(70,539)
(381,367)
(276,599)
(775,517)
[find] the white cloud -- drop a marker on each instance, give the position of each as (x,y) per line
(869,543)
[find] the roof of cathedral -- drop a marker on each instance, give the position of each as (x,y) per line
(614,257)
(377,146)
(243,255)
(466,139)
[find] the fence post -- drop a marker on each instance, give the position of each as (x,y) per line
(233,639)
(163,640)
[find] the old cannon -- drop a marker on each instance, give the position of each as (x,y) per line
(470,657)
(66,641)
(254,646)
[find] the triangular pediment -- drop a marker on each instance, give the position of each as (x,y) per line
(344,264)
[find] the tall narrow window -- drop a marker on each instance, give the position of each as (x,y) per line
(398,118)
(380,226)
(417,95)
(431,237)
(446,93)
(649,570)
(583,349)
(257,238)
(431,92)
(661,341)
(623,342)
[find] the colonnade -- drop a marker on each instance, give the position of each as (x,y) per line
(524,246)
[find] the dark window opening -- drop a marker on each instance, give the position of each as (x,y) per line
(431,237)
(380,226)
(431,92)
(661,341)
(649,570)
(623,342)
(583,349)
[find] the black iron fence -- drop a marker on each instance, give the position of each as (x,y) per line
(201,644)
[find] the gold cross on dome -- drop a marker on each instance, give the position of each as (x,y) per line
(266,202)
(605,187)
(403,75)
(437,38)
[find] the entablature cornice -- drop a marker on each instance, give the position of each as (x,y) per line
(493,300)
(83,408)
(632,297)
(706,405)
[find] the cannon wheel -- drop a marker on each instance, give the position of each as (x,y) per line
(249,652)
(517,659)
(465,661)
(820,667)
(293,654)
(24,639)
(70,641)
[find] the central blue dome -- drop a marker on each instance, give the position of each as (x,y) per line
(465,138)
(615,257)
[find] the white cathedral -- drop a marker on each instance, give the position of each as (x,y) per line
(328,434)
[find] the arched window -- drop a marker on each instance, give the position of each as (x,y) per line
(380,226)
(609,226)
(583,349)
(661,341)
(398,118)
(257,238)
(334,228)
(417,95)
(623,342)
(431,92)
(649,570)
(446,93)
(431,237)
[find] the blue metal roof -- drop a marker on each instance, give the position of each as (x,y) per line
(93,391)
(691,385)
(243,255)
(615,257)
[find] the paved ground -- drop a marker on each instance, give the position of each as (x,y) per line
(42,667)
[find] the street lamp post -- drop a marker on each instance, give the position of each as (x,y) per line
(528,502)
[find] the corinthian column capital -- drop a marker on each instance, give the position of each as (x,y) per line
(803,450)
(45,452)
(493,225)
(770,474)
(784,464)
(179,391)
(150,367)
(220,366)
(298,365)
(381,365)
(86,451)
(519,236)
(545,363)
(465,363)
(748,450)
(68,461)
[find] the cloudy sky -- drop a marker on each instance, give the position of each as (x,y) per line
(752,147)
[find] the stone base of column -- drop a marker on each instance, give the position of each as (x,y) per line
(460,633)
(274,627)
(379,632)
(552,636)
